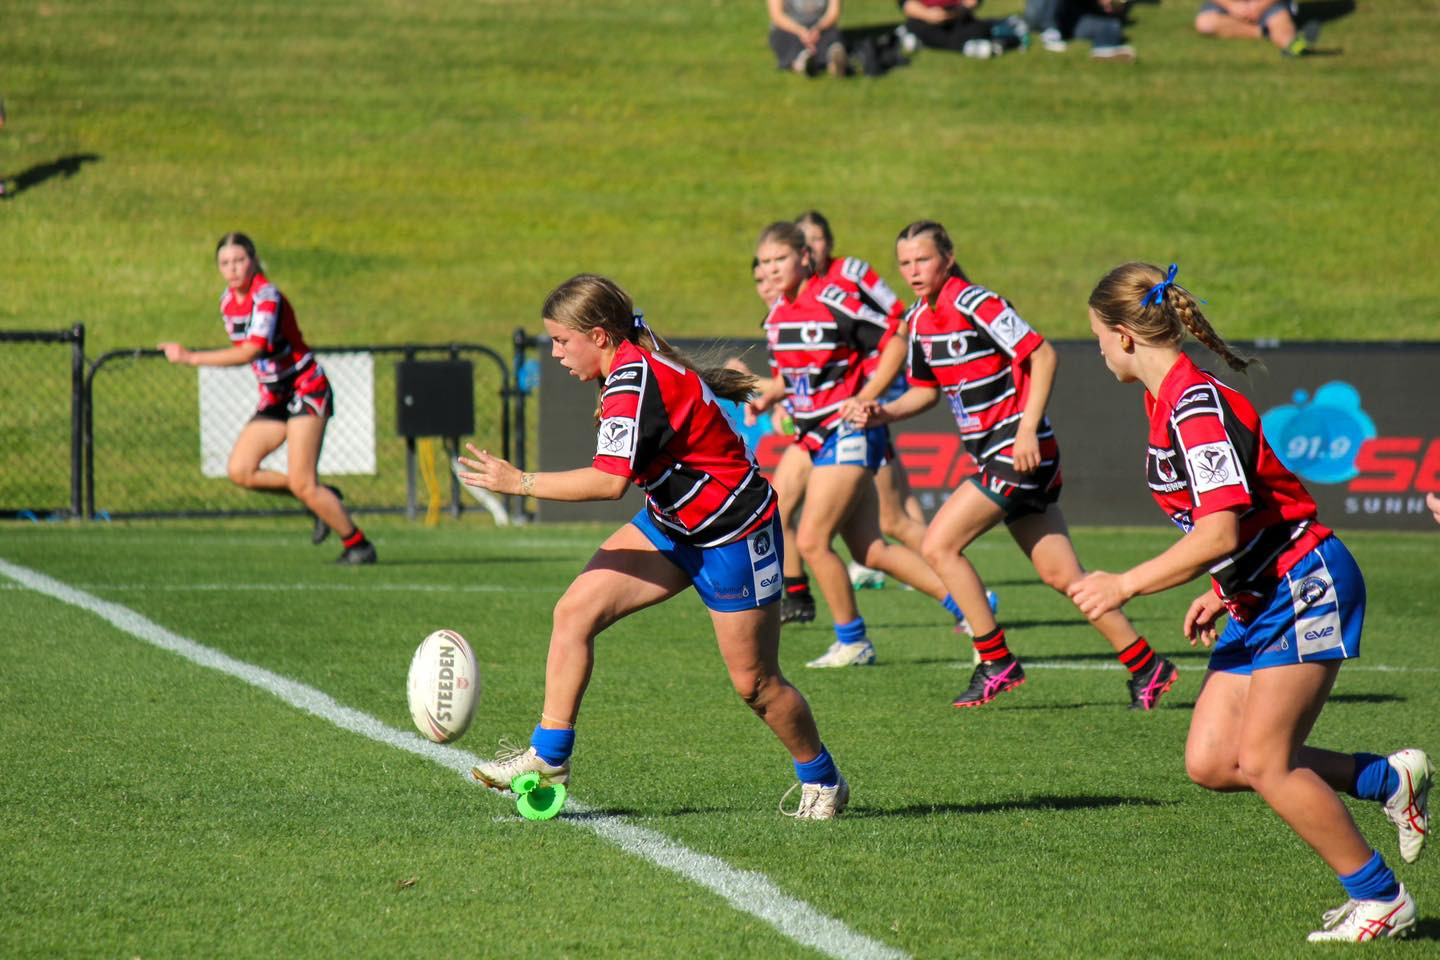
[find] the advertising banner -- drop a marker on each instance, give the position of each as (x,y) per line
(227,401)
(1359,423)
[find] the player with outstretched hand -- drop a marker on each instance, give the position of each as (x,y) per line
(901,518)
(1294,595)
(818,336)
(296,400)
(996,372)
(709,521)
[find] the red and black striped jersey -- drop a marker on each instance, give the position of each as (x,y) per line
(263,316)
(818,345)
(661,428)
(972,346)
(1207,453)
(856,276)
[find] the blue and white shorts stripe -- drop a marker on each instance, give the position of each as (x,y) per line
(1316,613)
(853,447)
(738,576)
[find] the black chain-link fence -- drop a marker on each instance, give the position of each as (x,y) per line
(41,391)
(158,436)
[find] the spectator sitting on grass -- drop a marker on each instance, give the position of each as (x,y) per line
(1102,22)
(805,36)
(952,25)
(1252,19)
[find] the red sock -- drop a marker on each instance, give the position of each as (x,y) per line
(991,646)
(357,537)
(1137,656)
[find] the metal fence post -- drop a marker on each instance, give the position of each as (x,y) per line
(78,405)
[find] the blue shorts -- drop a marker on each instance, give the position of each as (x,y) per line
(852,447)
(1315,613)
(738,576)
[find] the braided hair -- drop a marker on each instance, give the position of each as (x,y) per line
(1128,295)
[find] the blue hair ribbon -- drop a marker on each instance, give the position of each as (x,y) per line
(1156,294)
(640,324)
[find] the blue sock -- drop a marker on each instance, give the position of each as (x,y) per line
(852,632)
(1375,779)
(553,746)
(821,770)
(949,604)
(1374,881)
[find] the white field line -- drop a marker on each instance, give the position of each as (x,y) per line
(1058,665)
(745,890)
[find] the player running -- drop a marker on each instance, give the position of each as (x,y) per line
(709,522)
(1295,597)
(296,401)
(818,336)
(996,373)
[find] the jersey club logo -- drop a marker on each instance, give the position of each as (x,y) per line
(616,437)
(1213,465)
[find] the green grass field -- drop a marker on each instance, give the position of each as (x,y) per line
(427,173)
(157,808)
(430,172)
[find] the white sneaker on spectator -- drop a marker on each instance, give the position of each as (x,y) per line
(982,49)
(858,654)
(1052,40)
(1122,53)
(909,43)
(1409,806)
(1359,920)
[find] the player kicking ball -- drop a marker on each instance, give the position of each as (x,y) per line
(709,521)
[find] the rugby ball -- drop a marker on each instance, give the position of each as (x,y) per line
(444,686)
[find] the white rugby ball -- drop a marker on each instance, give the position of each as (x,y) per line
(444,686)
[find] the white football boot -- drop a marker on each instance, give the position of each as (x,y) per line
(1356,921)
(512,761)
(858,654)
(863,578)
(1409,806)
(818,802)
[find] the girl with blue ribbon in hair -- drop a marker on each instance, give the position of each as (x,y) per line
(1294,596)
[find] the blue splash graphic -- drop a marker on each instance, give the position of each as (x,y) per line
(1318,437)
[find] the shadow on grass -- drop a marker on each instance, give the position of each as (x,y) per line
(1049,803)
(66,166)
(1008,624)
(1366,698)
(1324,10)
(1426,929)
(913,810)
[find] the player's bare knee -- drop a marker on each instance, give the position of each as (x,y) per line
(1203,771)
(577,615)
(1058,579)
(757,690)
(811,545)
(303,489)
(240,474)
(1207,23)
(936,552)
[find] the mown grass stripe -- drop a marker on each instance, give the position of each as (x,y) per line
(745,890)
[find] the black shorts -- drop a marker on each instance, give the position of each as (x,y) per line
(1021,496)
(310,396)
